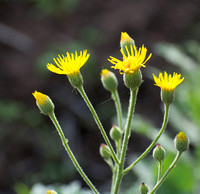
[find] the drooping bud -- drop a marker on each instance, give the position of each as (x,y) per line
(133,80)
(143,188)
(51,192)
(181,142)
(115,133)
(105,151)
(109,80)
(126,43)
(44,103)
(159,153)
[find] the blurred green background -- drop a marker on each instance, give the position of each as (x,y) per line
(32,32)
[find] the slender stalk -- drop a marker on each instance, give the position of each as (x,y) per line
(166,173)
(98,122)
(119,176)
(116,99)
(165,120)
(70,153)
(160,164)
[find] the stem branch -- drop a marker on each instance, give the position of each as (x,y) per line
(98,122)
(133,94)
(166,173)
(70,153)
(166,116)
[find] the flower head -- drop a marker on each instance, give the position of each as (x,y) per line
(168,82)
(69,64)
(132,61)
(181,142)
(44,103)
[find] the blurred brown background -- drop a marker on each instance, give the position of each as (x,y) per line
(31,34)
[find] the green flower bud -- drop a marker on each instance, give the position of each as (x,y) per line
(76,80)
(167,96)
(105,151)
(159,153)
(51,192)
(115,133)
(181,142)
(143,188)
(126,43)
(109,80)
(44,103)
(133,80)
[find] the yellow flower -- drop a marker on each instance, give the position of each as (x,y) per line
(168,82)
(69,64)
(132,62)
(44,103)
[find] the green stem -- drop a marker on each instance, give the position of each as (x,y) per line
(119,175)
(166,116)
(116,99)
(71,155)
(160,164)
(96,118)
(166,173)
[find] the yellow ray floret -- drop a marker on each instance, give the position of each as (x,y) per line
(104,72)
(132,62)
(168,82)
(125,37)
(69,64)
(40,98)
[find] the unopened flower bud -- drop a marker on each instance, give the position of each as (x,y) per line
(143,188)
(51,192)
(133,80)
(44,103)
(181,142)
(105,151)
(109,80)
(115,133)
(159,153)
(126,42)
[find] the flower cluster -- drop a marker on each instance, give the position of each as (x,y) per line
(132,60)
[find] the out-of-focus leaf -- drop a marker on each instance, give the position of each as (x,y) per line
(10,110)
(175,55)
(21,188)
